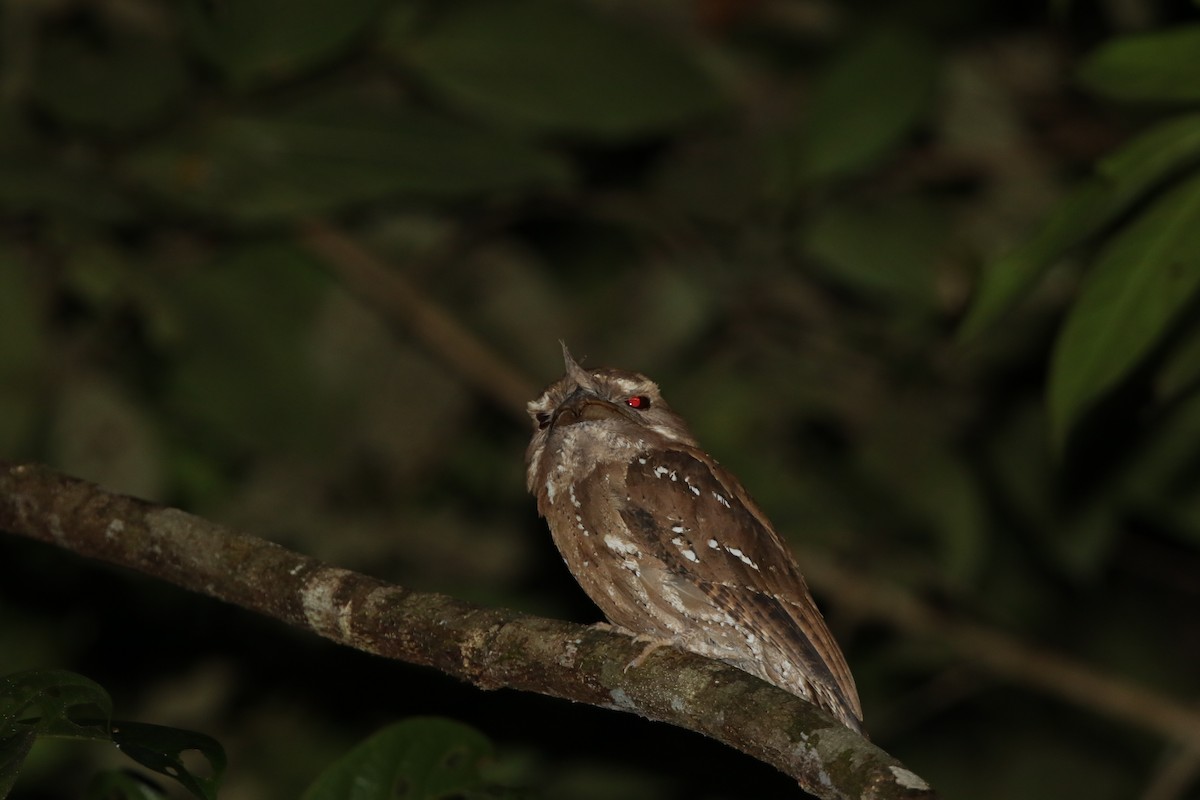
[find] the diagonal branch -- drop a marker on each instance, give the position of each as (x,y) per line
(490,648)
(1008,657)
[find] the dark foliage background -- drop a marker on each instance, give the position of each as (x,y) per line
(782,211)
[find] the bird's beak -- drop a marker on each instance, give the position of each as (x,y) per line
(582,406)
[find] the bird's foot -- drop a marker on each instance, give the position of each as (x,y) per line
(652,643)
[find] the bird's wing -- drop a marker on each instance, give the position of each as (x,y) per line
(694,517)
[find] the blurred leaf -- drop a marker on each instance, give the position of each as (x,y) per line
(1163,66)
(34,179)
(245,373)
(23,350)
(1183,514)
(1161,480)
(679,304)
(331,152)
(889,250)
(1145,277)
(114,785)
(1180,371)
(872,96)
(1155,155)
(1121,180)
(101,434)
(928,484)
(416,759)
(1082,540)
(557,65)
(1077,537)
(716,179)
(370,376)
(115,84)
(161,749)
(257,42)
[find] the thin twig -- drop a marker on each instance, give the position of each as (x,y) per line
(490,648)
(1004,655)
(384,288)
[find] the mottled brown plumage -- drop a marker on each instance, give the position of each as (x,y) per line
(667,542)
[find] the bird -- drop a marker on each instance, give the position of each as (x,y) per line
(668,543)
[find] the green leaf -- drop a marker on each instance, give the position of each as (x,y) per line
(245,320)
(1141,283)
(117,84)
(416,759)
(871,97)
(35,179)
(46,703)
(53,703)
(556,66)
(31,183)
(1153,156)
(1180,371)
(331,152)
(887,249)
(258,42)
(1121,180)
(1160,480)
(23,349)
(161,749)
(1163,66)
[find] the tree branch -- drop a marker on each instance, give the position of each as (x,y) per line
(490,648)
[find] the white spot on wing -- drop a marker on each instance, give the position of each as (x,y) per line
(738,554)
(678,529)
(713,544)
(550,491)
(690,555)
(721,499)
(619,545)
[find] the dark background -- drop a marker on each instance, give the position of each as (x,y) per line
(781,211)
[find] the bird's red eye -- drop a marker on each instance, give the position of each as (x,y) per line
(638,401)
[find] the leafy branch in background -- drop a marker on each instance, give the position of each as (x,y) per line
(1141,210)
